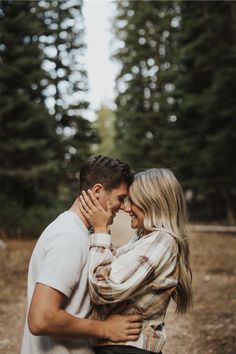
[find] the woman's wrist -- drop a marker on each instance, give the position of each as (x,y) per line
(101,230)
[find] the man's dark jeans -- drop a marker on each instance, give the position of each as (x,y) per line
(120,349)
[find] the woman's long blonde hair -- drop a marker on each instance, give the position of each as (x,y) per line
(157,192)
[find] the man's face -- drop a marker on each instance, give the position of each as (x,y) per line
(116,197)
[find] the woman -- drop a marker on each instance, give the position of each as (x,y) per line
(143,275)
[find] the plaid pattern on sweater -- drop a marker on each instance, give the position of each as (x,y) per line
(139,277)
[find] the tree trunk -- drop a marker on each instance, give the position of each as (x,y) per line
(230,213)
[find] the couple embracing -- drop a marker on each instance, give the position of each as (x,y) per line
(85,297)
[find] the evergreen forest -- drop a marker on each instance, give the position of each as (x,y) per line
(175,104)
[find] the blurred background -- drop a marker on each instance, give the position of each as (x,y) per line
(174,101)
(150,82)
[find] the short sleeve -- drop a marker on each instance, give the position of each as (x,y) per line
(63,260)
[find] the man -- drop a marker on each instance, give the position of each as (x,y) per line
(58,299)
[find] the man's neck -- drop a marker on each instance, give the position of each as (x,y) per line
(76,210)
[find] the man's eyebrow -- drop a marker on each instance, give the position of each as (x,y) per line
(122,195)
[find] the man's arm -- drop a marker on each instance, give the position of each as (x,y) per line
(47,317)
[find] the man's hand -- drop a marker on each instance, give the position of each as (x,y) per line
(120,328)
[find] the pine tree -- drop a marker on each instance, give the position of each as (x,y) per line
(144,84)
(64,50)
(205,107)
(175,101)
(27,139)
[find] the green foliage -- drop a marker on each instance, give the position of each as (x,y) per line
(176,104)
(17,220)
(41,144)
(144,84)
(64,48)
(27,138)
(205,107)
(104,125)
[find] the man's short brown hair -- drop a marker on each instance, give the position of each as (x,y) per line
(105,170)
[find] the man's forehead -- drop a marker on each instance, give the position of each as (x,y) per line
(122,190)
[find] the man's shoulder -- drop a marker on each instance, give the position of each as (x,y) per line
(66,226)
(68,222)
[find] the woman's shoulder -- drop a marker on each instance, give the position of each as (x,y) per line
(161,233)
(166,237)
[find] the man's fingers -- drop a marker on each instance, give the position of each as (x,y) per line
(132,337)
(134,331)
(135,325)
(135,318)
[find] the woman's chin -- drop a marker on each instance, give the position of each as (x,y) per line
(133,225)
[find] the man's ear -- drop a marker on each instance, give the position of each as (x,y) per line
(98,189)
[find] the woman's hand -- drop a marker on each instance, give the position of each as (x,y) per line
(94,212)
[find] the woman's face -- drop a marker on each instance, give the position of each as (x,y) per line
(135,212)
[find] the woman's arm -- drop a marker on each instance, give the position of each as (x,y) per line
(113,279)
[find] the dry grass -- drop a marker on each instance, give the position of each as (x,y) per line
(13,264)
(209,328)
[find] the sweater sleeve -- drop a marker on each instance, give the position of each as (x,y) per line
(116,278)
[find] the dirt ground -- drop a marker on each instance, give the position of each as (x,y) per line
(209,328)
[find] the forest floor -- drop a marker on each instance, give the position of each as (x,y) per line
(210,327)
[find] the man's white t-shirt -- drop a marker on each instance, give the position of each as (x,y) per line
(60,260)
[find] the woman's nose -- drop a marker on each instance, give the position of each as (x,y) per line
(127,207)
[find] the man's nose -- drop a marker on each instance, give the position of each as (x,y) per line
(122,205)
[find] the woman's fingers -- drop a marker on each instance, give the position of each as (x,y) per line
(83,210)
(87,206)
(87,210)
(88,201)
(97,204)
(83,203)
(94,199)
